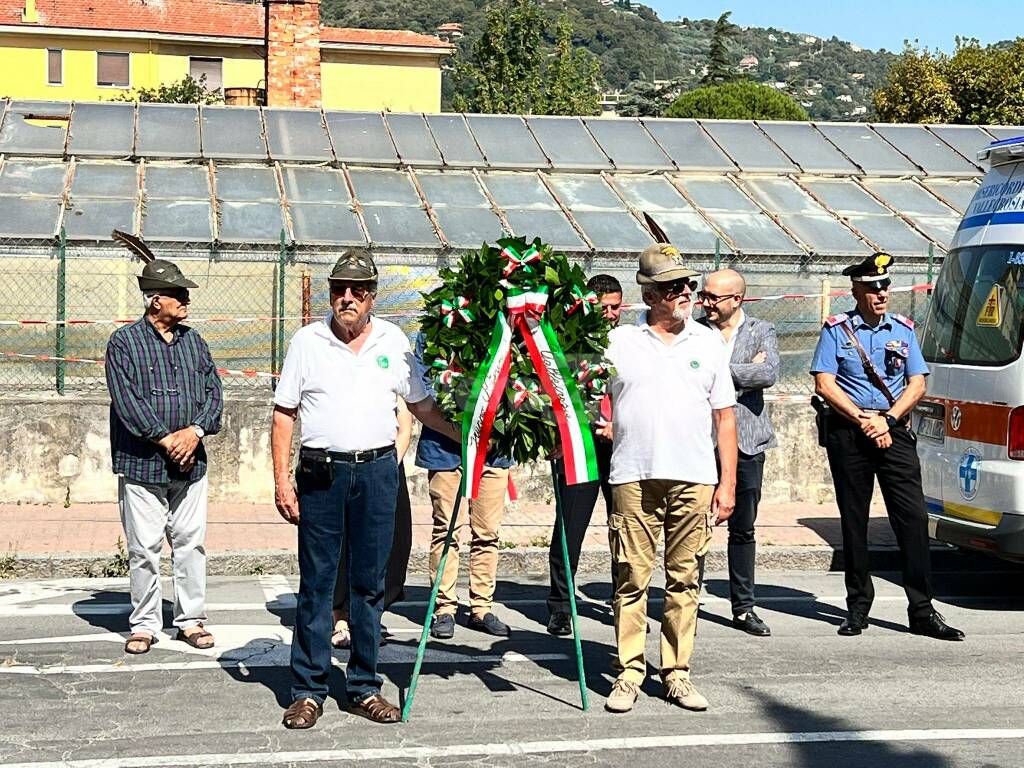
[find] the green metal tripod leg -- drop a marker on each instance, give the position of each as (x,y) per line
(430,608)
(572,595)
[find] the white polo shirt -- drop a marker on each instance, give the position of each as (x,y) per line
(347,400)
(662,398)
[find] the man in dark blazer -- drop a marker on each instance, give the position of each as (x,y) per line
(754,356)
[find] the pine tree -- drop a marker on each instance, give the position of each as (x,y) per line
(572,79)
(719,68)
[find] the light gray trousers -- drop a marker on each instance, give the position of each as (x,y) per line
(149,514)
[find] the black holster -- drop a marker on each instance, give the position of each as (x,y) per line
(315,470)
(822,412)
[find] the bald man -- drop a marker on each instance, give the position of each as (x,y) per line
(754,362)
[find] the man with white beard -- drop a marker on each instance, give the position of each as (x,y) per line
(672,385)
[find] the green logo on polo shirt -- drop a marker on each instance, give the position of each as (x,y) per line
(695,364)
(383,362)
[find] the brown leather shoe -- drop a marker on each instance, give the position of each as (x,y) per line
(303,713)
(376,708)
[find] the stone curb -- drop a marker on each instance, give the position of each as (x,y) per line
(512,562)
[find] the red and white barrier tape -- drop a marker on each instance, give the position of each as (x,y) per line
(246,372)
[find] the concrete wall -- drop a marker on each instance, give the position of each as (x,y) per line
(56,450)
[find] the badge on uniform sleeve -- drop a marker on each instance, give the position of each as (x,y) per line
(383,362)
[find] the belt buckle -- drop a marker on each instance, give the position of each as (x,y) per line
(359,457)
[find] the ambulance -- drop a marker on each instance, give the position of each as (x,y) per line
(970,425)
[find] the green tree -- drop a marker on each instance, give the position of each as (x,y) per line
(720,70)
(503,74)
(184,91)
(742,100)
(916,90)
(645,99)
(572,79)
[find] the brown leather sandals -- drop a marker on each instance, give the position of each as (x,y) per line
(376,708)
(195,639)
(139,643)
(303,713)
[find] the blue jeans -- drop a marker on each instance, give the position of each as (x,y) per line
(357,506)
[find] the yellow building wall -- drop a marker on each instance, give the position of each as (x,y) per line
(381,81)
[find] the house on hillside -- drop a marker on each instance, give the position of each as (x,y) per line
(68,50)
(748,62)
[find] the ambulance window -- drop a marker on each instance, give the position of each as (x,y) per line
(977,312)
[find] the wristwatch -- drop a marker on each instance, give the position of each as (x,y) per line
(891,420)
(200,432)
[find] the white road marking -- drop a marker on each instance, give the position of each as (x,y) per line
(277,590)
(535,748)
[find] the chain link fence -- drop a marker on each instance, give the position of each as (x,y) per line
(248,304)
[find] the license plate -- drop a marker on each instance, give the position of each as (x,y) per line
(932,428)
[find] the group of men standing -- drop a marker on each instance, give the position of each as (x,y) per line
(680,444)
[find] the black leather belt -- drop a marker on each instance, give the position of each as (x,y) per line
(349,457)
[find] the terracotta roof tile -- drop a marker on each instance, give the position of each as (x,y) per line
(215,18)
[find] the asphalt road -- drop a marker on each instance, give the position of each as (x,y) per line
(803,697)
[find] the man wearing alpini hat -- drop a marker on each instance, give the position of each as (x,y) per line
(165,397)
(869,370)
(671,392)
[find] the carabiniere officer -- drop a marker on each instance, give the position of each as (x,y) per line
(869,369)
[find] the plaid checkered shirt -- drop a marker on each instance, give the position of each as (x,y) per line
(158,387)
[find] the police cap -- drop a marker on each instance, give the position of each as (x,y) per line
(874,270)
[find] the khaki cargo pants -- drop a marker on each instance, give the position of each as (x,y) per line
(485,514)
(642,510)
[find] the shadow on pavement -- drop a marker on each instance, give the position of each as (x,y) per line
(114,622)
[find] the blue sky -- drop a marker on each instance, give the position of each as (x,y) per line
(868,23)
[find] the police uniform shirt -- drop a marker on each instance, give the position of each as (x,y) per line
(891,346)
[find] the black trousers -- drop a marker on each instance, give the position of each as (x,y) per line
(856,462)
(577,508)
(398,560)
(741,548)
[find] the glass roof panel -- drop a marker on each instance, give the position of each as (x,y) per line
(361,137)
(168,131)
(468,227)
(506,142)
(626,142)
(298,135)
(939,229)
(25,177)
(233,133)
(808,147)
(687,145)
(567,143)
(177,182)
(102,130)
(650,193)
(249,222)
(844,196)
(717,195)
(28,217)
(177,221)
(890,234)
(519,190)
(926,150)
(94,219)
(909,198)
(30,128)
(781,196)
(550,226)
(755,234)
(823,234)
(452,188)
(579,191)
(858,142)
(613,230)
(3,111)
(690,231)
(325,223)
(314,184)
(381,187)
(455,141)
(747,146)
(968,140)
(957,193)
(240,183)
(412,139)
(106,180)
(1004,132)
(394,226)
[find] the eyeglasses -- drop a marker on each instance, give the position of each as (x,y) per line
(677,288)
(358,291)
(181,296)
(706,297)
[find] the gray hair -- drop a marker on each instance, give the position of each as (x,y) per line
(650,293)
(147,299)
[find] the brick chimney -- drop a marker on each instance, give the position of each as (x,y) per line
(293,53)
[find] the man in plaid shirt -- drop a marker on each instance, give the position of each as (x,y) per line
(165,398)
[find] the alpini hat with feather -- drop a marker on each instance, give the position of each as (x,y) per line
(158,274)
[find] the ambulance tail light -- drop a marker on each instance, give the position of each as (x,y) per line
(1015,437)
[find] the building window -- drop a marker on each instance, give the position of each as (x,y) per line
(55,66)
(213,69)
(113,70)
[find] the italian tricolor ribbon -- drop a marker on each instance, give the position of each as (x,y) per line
(455,308)
(518,260)
(586,301)
(526,314)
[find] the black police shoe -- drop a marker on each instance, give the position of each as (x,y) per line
(853,624)
(751,623)
(560,624)
(934,625)
(443,626)
(490,624)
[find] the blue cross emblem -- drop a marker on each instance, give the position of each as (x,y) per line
(969,474)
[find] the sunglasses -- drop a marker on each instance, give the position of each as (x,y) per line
(359,292)
(181,296)
(677,288)
(706,297)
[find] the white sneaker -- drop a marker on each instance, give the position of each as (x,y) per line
(684,693)
(623,696)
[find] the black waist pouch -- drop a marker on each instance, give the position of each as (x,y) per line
(822,412)
(315,471)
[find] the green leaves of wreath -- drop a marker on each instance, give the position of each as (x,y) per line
(458,322)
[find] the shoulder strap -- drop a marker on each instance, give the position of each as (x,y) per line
(869,368)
